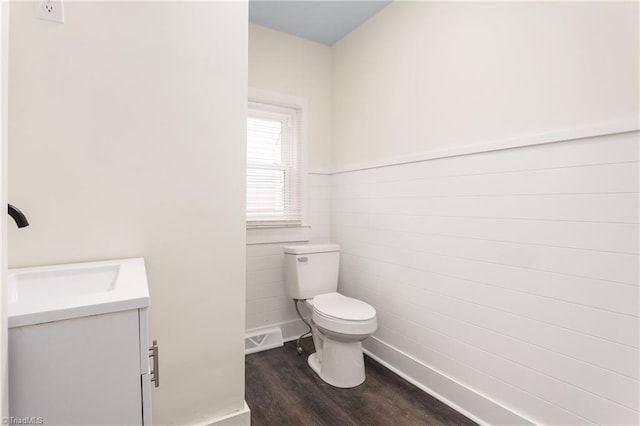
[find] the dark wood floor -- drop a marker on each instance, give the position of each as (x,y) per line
(281,389)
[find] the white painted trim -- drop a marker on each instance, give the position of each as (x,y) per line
(320,172)
(275,98)
(278,234)
(622,126)
(302,104)
(447,390)
(240,417)
(4,85)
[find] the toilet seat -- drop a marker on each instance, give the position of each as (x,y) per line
(340,314)
(337,306)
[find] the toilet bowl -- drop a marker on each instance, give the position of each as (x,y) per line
(339,325)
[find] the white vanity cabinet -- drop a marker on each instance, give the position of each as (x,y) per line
(89,369)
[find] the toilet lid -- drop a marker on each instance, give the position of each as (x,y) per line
(342,307)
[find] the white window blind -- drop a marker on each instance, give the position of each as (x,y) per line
(273,165)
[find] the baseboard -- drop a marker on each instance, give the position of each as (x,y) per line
(477,407)
(237,418)
(291,330)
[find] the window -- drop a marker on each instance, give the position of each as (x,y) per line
(273,165)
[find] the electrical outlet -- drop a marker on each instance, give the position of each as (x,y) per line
(49,10)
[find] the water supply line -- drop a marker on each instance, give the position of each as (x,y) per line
(298,347)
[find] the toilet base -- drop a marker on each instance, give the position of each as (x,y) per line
(341,364)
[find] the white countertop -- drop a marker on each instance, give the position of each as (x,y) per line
(52,293)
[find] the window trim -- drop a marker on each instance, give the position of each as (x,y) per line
(291,102)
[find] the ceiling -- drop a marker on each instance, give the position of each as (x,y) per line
(325,21)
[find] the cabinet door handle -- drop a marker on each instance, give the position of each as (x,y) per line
(155,372)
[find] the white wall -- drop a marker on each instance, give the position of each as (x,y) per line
(428,76)
(286,65)
(127,128)
(506,282)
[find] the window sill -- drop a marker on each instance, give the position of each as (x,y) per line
(277,234)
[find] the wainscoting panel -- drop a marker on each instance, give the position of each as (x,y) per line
(514,273)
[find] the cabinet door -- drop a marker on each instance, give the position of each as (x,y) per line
(146,399)
(82,371)
(145,368)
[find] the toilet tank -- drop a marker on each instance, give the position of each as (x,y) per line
(310,270)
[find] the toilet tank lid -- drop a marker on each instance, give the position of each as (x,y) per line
(311,248)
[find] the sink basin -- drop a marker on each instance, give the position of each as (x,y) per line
(52,293)
(59,284)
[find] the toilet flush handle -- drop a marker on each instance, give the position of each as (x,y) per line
(303,259)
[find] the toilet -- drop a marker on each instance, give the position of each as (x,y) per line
(339,323)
